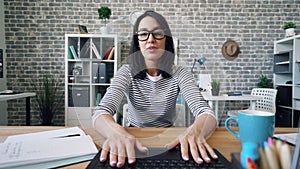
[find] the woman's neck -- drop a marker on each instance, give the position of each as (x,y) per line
(153,72)
(152,68)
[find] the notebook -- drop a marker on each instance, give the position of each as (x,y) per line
(294,140)
(296,156)
(163,158)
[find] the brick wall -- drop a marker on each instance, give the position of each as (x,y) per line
(35,31)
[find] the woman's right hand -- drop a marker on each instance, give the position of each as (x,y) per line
(119,144)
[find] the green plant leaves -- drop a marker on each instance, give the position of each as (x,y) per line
(104,13)
(264,82)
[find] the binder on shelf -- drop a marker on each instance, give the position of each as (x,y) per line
(96,51)
(95,72)
(73,52)
(102,73)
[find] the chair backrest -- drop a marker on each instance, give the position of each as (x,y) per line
(180,116)
(125,122)
(268,103)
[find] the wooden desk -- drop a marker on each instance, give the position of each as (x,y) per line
(207,96)
(222,140)
(18,96)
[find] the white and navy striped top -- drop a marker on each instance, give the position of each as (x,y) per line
(152,101)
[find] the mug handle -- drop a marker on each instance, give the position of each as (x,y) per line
(228,127)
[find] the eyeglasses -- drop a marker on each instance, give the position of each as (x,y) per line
(158,34)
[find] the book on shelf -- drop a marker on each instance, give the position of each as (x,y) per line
(85,50)
(49,149)
(111,54)
(73,52)
(98,98)
(95,50)
(107,53)
(70,55)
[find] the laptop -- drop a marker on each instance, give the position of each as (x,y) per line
(163,159)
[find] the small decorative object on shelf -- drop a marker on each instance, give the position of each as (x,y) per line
(289,28)
(104,14)
(82,29)
(215,84)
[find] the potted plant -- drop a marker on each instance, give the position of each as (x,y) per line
(48,97)
(104,14)
(264,82)
(289,28)
(215,85)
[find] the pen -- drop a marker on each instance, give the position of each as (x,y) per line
(263,159)
(278,145)
(71,135)
(250,164)
(285,157)
(275,147)
(271,157)
(270,141)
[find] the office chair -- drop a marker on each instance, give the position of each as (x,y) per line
(180,116)
(267,103)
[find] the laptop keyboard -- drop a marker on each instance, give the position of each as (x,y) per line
(165,164)
(158,158)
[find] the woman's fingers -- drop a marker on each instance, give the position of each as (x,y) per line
(113,155)
(210,151)
(104,152)
(195,153)
(118,151)
(196,144)
(172,144)
(202,150)
(121,155)
(140,146)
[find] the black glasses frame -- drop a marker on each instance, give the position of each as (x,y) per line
(153,33)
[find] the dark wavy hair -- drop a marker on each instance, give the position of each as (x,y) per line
(136,59)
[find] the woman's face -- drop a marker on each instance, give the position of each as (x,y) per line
(152,47)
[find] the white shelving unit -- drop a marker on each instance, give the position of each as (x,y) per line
(84,76)
(287,80)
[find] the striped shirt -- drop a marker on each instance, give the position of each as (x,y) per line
(151,102)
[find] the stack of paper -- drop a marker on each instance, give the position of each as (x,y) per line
(47,149)
(289,137)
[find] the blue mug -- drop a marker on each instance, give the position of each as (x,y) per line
(254,126)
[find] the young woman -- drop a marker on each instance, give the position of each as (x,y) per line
(151,83)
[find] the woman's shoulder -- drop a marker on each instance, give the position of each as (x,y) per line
(124,69)
(178,69)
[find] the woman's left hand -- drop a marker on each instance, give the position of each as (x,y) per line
(194,140)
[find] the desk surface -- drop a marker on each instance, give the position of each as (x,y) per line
(151,137)
(16,96)
(209,97)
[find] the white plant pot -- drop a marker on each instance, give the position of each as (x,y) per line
(289,32)
(105,30)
